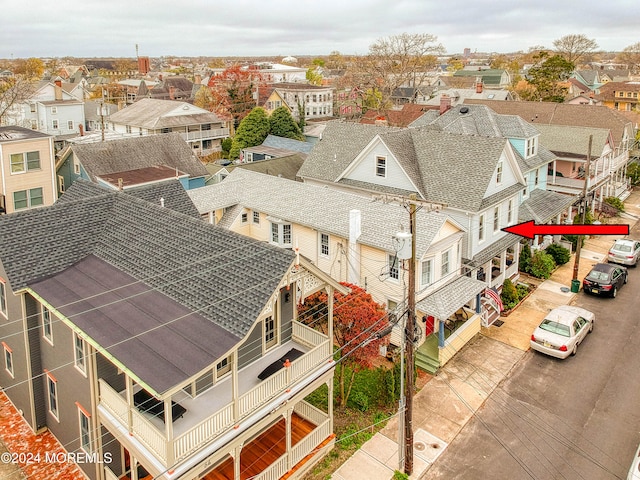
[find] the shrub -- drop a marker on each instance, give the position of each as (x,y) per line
(542,264)
(523,290)
(359,401)
(525,258)
(577,220)
(398,475)
(509,294)
(615,202)
(560,254)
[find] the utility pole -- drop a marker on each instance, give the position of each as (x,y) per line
(409,344)
(583,202)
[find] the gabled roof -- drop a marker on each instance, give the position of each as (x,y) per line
(287,144)
(169,149)
(564,139)
(551,113)
(283,167)
(490,76)
(155,114)
(113,246)
(297,202)
(397,118)
(543,206)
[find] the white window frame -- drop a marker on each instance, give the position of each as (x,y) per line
(510,212)
(80,353)
(324,244)
(8,359)
(244,217)
(270,332)
(394,266)
(52,396)
(481,224)
(256,217)
(54,124)
(281,234)
(381,166)
(222,368)
(46,321)
(24,164)
(85,435)
(499,173)
(3,298)
(426,274)
(496,219)
(445,265)
(536,179)
(70,124)
(54,110)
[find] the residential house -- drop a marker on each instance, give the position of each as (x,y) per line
(275,147)
(270,98)
(409,113)
(138,159)
(96,114)
(354,240)
(172,87)
(477,180)
(201,129)
(348,102)
(490,77)
(619,95)
(590,78)
(27,170)
(458,95)
(591,116)
(404,95)
(151,344)
(315,101)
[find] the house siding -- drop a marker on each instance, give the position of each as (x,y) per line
(34,329)
(251,349)
(365,170)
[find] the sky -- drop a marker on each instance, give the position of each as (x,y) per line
(218,28)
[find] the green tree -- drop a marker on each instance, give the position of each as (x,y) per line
(546,78)
(282,124)
(574,47)
(542,264)
(509,295)
(252,131)
(633,172)
(314,76)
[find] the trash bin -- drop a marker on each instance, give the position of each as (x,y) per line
(575,286)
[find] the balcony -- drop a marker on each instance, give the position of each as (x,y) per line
(205,134)
(215,411)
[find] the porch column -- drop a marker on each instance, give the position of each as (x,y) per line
(288,436)
(330,403)
(236,462)
(330,318)
(133,465)
(129,393)
(440,333)
(478,303)
(168,430)
(234,386)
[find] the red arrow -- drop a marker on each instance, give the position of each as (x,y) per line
(530,229)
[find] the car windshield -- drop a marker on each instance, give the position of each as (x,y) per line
(555,327)
(598,275)
(621,247)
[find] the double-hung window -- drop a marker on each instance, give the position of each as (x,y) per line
(28,198)
(85,428)
(80,353)
(426,277)
(445,265)
(8,359)
(394,271)
(47,328)
(281,234)
(270,337)
(499,173)
(3,298)
(481,228)
(510,212)
(381,167)
(52,392)
(324,244)
(25,162)
(496,219)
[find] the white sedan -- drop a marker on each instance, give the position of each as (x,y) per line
(562,330)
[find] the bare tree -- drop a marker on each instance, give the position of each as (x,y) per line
(14,91)
(631,56)
(399,60)
(574,47)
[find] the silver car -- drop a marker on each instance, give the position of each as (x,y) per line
(562,330)
(625,252)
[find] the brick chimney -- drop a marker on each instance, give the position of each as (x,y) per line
(381,120)
(81,129)
(445,103)
(479,85)
(198,79)
(172,92)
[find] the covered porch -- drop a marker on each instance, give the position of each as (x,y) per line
(546,207)
(451,316)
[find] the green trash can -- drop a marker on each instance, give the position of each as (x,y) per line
(575,286)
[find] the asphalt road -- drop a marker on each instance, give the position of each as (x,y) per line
(577,418)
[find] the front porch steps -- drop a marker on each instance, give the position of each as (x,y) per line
(426,355)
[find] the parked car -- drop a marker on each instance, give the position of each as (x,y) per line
(605,279)
(562,330)
(625,252)
(634,470)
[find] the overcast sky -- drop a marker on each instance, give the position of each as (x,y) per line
(91,28)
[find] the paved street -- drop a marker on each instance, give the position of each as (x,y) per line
(570,419)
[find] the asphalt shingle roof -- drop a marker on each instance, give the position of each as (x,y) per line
(543,206)
(574,140)
(287,144)
(155,114)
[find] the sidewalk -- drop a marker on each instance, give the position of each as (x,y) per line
(449,400)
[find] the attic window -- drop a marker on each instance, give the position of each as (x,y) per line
(381,166)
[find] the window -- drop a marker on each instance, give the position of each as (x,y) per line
(32,108)
(70,124)
(510,212)
(394,272)
(24,162)
(525,192)
(223,367)
(324,244)
(536,179)
(80,353)
(531,147)
(245,217)
(127,129)
(85,428)
(27,198)
(54,124)
(8,359)
(481,228)
(281,234)
(496,219)
(54,110)
(381,167)
(256,217)
(269,332)
(499,172)
(3,298)
(426,277)
(47,329)
(445,263)
(52,389)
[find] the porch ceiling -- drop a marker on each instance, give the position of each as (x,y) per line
(447,300)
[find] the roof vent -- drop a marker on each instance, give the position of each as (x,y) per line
(464,109)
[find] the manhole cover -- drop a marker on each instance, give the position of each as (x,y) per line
(419,446)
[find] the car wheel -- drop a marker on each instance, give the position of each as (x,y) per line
(575,350)
(614,292)
(626,277)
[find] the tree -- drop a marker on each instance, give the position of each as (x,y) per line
(546,77)
(204,99)
(232,92)
(252,131)
(356,319)
(14,91)
(395,61)
(631,56)
(314,76)
(282,124)
(574,47)
(31,68)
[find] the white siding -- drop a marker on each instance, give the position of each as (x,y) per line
(365,169)
(508,177)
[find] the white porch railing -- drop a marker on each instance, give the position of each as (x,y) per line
(459,338)
(309,412)
(109,475)
(206,134)
(306,335)
(305,446)
(274,471)
(312,359)
(203,432)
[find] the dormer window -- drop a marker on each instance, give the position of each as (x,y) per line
(499,173)
(532,144)
(381,166)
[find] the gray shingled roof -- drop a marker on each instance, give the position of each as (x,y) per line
(543,206)
(298,203)
(224,277)
(102,158)
(445,301)
(154,114)
(564,139)
(287,144)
